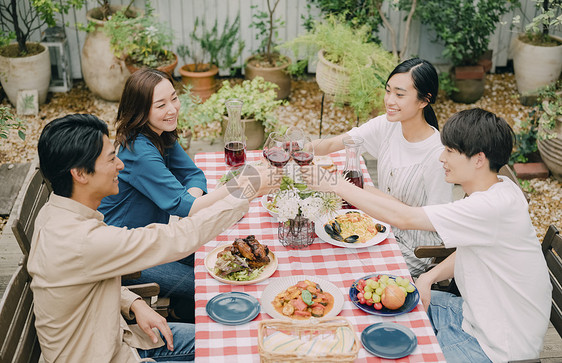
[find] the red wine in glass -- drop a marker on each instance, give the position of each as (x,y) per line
(278,157)
(235,153)
(302,157)
(355,177)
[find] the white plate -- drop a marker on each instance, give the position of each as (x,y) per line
(211,260)
(320,232)
(281,284)
(264,205)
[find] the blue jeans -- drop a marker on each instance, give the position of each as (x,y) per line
(177,281)
(445,314)
(184,345)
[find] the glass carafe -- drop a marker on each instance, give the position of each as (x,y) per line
(352,169)
(234,136)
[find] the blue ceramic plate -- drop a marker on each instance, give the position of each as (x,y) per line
(233,308)
(410,303)
(389,340)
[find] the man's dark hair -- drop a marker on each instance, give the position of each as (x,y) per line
(477,130)
(72,141)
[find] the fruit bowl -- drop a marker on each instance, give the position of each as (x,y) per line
(410,303)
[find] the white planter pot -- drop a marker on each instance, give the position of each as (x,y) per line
(534,66)
(26,73)
(104,74)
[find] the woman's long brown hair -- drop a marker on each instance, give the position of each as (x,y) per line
(132,115)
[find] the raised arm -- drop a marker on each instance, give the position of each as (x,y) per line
(329,145)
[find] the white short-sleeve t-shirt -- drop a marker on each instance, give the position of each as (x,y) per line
(499,269)
(411,173)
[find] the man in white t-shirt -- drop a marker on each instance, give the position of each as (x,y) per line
(504,307)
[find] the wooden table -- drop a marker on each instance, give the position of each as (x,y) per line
(342,266)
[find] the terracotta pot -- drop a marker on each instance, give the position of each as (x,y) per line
(26,73)
(277,75)
(254,131)
(169,68)
(104,74)
(535,66)
(551,151)
(470,81)
(203,83)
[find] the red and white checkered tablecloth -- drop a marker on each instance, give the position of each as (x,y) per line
(342,266)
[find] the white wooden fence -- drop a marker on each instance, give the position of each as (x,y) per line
(181,14)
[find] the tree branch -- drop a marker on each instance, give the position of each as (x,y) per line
(378,5)
(408,23)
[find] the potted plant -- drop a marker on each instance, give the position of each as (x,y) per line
(549,127)
(269,63)
(215,51)
(258,112)
(350,67)
(537,55)
(464,28)
(104,73)
(141,41)
(188,116)
(26,65)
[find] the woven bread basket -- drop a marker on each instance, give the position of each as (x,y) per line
(305,330)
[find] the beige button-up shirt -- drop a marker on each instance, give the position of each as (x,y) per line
(76,262)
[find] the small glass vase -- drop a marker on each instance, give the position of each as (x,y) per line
(296,233)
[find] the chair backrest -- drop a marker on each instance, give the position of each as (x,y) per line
(552,250)
(507,171)
(18,337)
(36,195)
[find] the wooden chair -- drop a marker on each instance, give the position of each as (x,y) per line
(18,337)
(552,250)
(36,195)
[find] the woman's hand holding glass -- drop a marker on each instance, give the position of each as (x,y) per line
(277,150)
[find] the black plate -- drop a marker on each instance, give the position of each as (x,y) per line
(389,340)
(233,308)
(410,303)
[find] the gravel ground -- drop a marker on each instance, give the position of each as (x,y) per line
(303,110)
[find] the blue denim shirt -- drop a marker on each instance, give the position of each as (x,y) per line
(152,187)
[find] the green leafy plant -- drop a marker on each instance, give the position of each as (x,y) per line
(26,17)
(104,12)
(355,13)
(267,27)
(549,17)
(540,122)
(367,64)
(143,39)
(9,121)
(463,26)
(446,84)
(220,49)
(258,96)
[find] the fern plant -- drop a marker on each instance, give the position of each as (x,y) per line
(367,64)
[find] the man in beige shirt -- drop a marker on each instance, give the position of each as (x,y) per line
(76,260)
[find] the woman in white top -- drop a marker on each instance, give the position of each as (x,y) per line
(407,144)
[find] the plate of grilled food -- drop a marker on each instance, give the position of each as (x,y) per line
(243,262)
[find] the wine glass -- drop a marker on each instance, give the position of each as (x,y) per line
(275,150)
(268,143)
(304,152)
(294,135)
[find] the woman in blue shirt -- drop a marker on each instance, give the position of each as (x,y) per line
(159,178)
